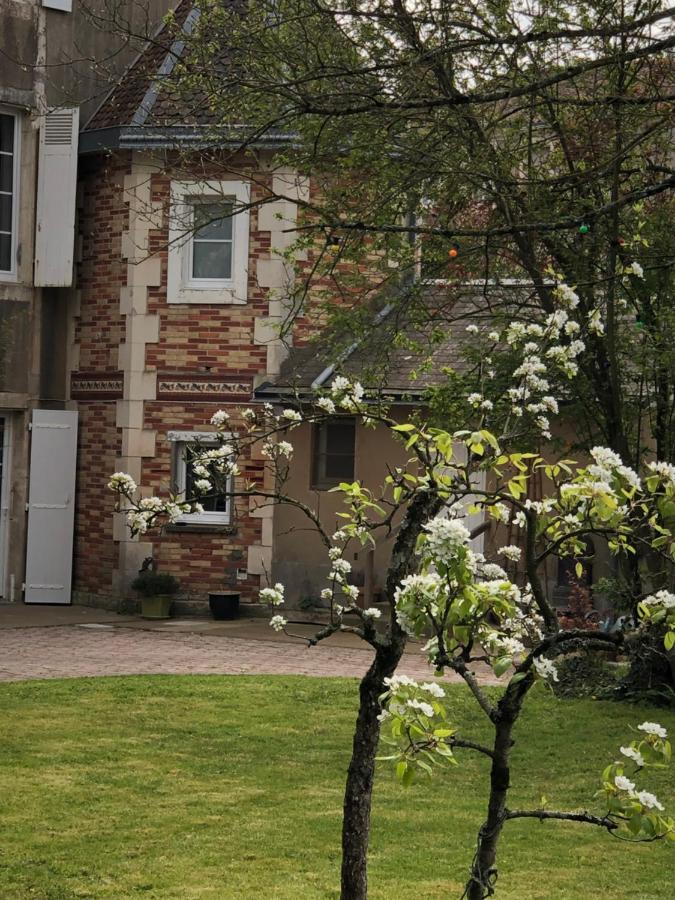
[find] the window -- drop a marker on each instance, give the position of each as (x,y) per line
(333,453)
(208,242)
(210,254)
(9,177)
(217,507)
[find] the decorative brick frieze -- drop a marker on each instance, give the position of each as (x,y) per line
(94,386)
(204,387)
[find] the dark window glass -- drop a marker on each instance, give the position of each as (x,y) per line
(333,452)
(6,134)
(5,253)
(211,502)
(5,213)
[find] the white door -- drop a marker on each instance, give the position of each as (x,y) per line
(4,500)
(51,506)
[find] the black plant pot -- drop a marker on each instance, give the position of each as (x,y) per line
(224,606)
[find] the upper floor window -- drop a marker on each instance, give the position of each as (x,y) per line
(9,147)
(208,242)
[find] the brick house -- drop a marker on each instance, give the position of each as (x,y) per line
(180,289)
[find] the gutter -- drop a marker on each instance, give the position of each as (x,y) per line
(171,137)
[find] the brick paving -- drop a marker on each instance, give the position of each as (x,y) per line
(132,647)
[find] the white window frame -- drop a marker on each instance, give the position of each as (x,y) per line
(180,440)
(13,274)
(181,287)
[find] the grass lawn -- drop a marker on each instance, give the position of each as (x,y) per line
(223,787)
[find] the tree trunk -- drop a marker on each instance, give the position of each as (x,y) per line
(483,870)
(359,788)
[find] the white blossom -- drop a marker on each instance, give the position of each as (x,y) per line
(326,405)
(474,399)
(432,688)
(220,418)
(278,623)
(471,329)
(566,295)
(122,483)
(394,682)
(273,595)
(351,591)
(633,754)
(494,335)
(425,708)
(624,784)
(661,598)
(653,728)
(595,323)
(203,485)
(291,415)
(326,594)
(371,613)
(444,536)
(649,801)
(545,668)
(635,269)
(664,470)
(511,552)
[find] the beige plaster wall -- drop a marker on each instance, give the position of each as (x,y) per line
(299,556)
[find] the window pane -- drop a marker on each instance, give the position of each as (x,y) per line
(6,173)
(5,253)
(340,437)
(5,213)
(339,466)
(333,452)
(211,260)
(213,221)
(7,133)
(210,502)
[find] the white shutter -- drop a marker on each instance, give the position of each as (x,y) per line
(55,213)
(62,5)
(51,506)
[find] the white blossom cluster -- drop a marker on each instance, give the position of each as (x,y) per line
(121,483)
(273,595)
(665,471)
(346,394)
(608,464)
(444,536)
(664,599)
(545,668)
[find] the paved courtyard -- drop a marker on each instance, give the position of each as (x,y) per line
(70,642)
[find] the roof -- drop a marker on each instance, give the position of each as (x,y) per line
(395,358)
(145,110)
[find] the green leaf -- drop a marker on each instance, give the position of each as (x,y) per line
(501,665)
(669,640)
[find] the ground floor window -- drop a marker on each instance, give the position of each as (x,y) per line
(333,452)
(217,504)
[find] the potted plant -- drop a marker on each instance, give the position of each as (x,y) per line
(156,590)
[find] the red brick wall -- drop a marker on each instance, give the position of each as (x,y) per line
(95,554)
(102,217)
(99,329)
(208,561)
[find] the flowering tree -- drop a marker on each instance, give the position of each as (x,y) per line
(464,605)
